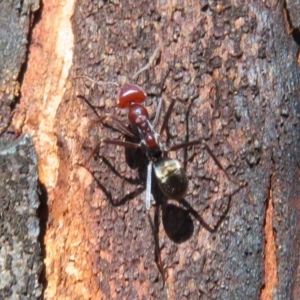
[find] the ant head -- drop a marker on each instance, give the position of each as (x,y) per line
(131,93)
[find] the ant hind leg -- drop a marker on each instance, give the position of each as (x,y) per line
(194,143)
(154,229)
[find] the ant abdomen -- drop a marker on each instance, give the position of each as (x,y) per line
(171,178)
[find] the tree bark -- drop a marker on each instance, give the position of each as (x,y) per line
(234,65)
(20,250)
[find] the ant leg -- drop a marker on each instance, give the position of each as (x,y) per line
(194,143)
(112,142)
(153,229)
(118,125)
(167,116)
(157,250)
(108,118)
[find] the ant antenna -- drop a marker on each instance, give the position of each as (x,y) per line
(100,83)
(151,61)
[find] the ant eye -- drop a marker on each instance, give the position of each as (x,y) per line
(131,93)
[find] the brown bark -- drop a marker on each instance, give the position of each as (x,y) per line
(235,65)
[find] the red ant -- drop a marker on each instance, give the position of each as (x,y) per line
(170,175)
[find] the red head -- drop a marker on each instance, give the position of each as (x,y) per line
(131,93)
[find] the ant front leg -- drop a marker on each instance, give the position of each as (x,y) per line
(121,143)
(167,117)
(115,123)
(168,114)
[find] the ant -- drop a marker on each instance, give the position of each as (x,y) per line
(170,175)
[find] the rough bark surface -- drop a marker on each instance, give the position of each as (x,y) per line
(21,260)
(235,66)
(20,251)
(15,18)
(293,12)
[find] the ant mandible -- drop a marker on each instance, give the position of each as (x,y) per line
(170,175)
